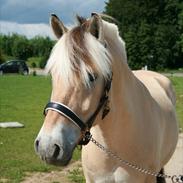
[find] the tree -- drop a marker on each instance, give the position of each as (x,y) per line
(152,31)
(21,48)
(2,59)
(41,46)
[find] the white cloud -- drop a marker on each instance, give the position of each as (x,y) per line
(38,11)
(29,30)
(32,18)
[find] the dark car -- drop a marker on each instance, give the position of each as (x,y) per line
(14,66)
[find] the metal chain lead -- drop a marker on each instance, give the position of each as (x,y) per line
(174,178)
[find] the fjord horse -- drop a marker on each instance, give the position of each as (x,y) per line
(141,126)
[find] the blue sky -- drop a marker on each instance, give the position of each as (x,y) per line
(31,17)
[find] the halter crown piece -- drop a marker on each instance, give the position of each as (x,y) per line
(73,117)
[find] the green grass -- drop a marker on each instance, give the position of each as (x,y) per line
(76,176)
(178,86)
(22,99)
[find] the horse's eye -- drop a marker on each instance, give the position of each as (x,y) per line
(92,77)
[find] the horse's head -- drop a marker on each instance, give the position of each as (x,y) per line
(80,69)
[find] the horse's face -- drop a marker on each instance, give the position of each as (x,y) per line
(59,136)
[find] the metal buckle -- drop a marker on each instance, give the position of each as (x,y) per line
(86,138)
(177,179)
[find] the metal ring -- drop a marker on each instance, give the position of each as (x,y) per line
(175,179)
(180,178)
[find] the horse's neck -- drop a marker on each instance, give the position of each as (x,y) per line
(122,93)
(124,82)
(124,85)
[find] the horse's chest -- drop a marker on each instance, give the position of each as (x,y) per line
(116,176)
(111,174)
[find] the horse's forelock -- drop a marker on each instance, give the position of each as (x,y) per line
(78,50)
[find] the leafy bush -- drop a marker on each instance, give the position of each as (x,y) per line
(34,61)
(33,64)
(43,62)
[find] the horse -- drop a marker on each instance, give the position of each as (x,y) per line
(132,113)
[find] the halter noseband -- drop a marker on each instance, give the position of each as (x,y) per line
(85,127)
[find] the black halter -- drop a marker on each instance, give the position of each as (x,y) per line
(85,127)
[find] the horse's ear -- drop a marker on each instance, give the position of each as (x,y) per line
(58,27)
(81,20)
(96,27)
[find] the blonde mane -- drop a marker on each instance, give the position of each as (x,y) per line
(78,54)
(111,33)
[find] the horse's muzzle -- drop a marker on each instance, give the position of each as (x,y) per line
(53,154)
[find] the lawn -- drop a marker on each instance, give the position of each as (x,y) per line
(22,98)
(178,86)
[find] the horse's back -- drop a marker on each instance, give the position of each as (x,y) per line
(157,84)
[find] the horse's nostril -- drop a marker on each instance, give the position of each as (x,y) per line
(57,151)
(36,145)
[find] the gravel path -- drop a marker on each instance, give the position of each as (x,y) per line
(175,165)
(53,176)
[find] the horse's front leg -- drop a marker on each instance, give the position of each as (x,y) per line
(88,177)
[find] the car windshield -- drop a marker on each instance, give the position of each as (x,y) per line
(10,63)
